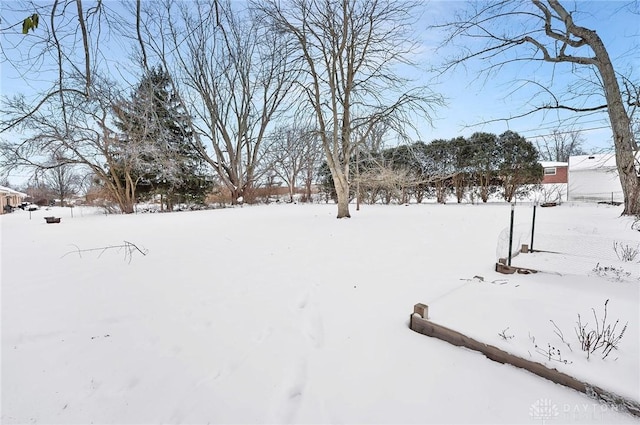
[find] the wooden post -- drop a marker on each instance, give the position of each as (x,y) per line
(524,249)
(422,310)
(434,330)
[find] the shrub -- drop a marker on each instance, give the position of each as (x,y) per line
(603,337)
(626,253)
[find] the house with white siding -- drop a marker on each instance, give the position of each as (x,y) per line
(595,178)
(10,198)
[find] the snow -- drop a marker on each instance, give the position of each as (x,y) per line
(8,190)
(592,162)
(283,314)
(546,164)
(606,162)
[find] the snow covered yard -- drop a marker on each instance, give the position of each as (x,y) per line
(283,314)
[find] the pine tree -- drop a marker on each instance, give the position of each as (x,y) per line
(155,132)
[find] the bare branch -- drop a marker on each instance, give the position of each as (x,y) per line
(128,248)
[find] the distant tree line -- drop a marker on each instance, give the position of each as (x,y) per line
(473,167)
(205,88)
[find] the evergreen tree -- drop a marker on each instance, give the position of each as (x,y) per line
(483,165)
(154,126)
(518,165)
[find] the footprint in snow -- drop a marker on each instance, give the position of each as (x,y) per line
(291,394)
(263,335)
(302,302)
(313,328)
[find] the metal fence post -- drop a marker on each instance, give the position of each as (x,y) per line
(510,236)
(533,227)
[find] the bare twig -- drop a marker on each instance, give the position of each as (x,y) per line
(560,335)
(504,335)
(626,253)
(603,337)
(129,249)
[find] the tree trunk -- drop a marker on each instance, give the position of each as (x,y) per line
(623,139)
(235,194)
(625,145)
(458,183)
(342,191)
(484,194)
(292,190)
(419,194)
(307,191)
(126,204)
(440,192)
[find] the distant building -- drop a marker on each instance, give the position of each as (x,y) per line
(555,172)
(594,178)
(10,198)
(554,181)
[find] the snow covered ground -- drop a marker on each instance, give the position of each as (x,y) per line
(283,314)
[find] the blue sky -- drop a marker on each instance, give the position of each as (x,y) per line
(472,99)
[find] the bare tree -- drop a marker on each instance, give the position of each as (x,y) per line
(231,73)
(560,145)
(83,137)
(67,113)
(311,161)
(291,153)
(63,47)
(349,49)
(514,31)
(39,192)
(62,179)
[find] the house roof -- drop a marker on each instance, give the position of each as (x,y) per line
(596,162)
(8,191)
(592,162)
(546,164)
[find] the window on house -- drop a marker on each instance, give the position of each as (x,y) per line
(551,171)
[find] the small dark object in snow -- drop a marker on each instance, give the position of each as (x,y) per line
(614,203)
(104,336)
(51,220)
